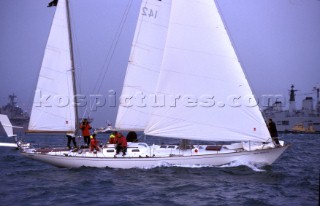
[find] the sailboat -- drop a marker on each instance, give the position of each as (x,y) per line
(183,81)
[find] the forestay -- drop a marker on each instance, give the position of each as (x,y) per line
(207,93)
(53,108)
(144,65)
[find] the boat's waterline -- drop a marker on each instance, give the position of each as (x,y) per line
(265,157)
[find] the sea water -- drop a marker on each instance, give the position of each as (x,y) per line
(292,180)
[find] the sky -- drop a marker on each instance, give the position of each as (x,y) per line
(277,43)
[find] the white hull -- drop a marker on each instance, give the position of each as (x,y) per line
(212,158)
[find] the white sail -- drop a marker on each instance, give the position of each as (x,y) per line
(183,60)
(144,65)
(201,68)
(53,109)
(6,124)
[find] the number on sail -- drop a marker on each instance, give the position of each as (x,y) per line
(149,12)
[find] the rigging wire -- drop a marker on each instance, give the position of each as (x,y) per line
(105,68)
(106,65)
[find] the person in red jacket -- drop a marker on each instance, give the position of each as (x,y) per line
(85,127)
(112,137)
(121,142)
(94,143)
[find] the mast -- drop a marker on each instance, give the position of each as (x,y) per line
(72,69)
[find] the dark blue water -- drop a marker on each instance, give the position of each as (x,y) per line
(292,180)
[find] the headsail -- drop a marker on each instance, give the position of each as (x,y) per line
(53,106)
(144,64)
(7,126)
(201,73)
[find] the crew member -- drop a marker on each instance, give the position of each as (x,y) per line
(112,137)
(94,143)
(85,127)
(71,137)
(121,144)
(132,137)
(273,132)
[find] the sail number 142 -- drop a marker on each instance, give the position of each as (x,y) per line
(149,12)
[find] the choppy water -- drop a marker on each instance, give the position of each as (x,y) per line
(292,180)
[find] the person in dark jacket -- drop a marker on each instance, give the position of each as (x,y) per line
(273,132)
(71,137)
(132,137)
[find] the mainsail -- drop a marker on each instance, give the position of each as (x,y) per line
(144,64)
(53,106)
(200,72)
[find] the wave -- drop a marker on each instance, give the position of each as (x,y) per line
(254,166)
